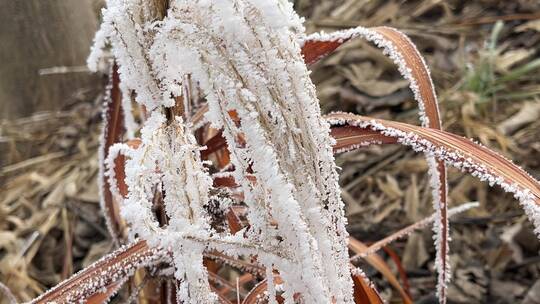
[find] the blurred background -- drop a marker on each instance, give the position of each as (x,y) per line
(485,60)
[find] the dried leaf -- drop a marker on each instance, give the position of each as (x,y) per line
(457,151)
(113,131)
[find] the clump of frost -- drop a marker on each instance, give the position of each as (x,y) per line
(168,158)
(125,29)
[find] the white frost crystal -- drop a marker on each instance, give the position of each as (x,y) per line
(245,56)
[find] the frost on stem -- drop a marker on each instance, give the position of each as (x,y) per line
(245,56)
(169,158)
(128,27)
(127,110)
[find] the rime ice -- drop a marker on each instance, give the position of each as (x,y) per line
(245,56)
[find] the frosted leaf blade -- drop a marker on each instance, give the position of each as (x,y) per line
(112,132)
(459,152)
(104,273)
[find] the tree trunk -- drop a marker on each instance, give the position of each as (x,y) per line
(35,35)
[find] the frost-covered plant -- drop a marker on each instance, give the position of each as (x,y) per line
(242,63)
(254,69)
